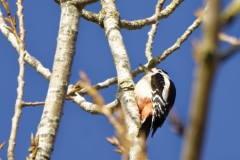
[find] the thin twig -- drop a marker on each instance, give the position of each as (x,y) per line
(155,61)
(136,24)
(229,53)
(152,32)
(18,104)
(125,80)
(87,106)
(230,12)
(27,104)
(101,85)
(120,128)
(47,74)
(202,87)
(93,108)
(32,61)
(235,42)
(229,39)
(180,40)
(82,103)
(90,16)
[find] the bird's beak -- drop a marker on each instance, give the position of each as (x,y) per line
(146,70)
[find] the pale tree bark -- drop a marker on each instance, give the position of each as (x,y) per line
(124,76)
(136,24)
(20,89)
(53,108)
(32,61)
(152,32)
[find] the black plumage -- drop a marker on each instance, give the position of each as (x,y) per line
(161,106)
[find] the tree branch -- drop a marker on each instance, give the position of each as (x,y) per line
(119,127)
(229,53)
(155,61)
(32,61)
(27,104)
(90,16)
(153,31)
(232,50)
(125,81)
(93,108)
(229,39)
(47,74)
(230,12)
(202,88)
(136,24)
(65,51)
(18,104)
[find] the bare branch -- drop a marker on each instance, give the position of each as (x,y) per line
(229,39)
(230,12)
(90,16)
(229,53)
(136,24)
(18,104)
(87,106)
(204,76)
(93,108)
(180,40)
(82,103)
(155,61)
(101,85)
(125,81)
(47,74)
(152,32)
(27,104)
(232,50)
(120,127)
(65,51)
(53,108)
(32,61)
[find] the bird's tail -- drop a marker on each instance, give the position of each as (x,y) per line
(145,128)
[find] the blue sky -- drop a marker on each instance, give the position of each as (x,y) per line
(82,135)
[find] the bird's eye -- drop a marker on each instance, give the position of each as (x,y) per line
(160,70)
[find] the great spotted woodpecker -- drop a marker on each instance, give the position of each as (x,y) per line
(155,95)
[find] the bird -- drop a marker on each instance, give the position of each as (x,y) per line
(155,95)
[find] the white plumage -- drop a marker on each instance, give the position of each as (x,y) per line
(155,95)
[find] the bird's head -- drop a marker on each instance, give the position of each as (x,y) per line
(154,70)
